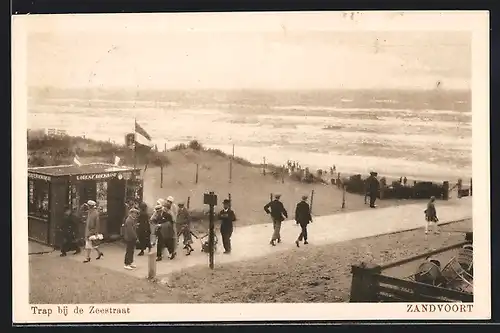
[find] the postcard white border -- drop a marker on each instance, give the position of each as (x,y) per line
(477,22)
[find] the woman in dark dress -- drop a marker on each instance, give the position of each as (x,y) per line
(143,229)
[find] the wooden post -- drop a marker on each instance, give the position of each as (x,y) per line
(196,178)
(364,284)
(151,265)
(188,201)
(161,175)
(211,237)
(343,196)
(311,204)
(264,167)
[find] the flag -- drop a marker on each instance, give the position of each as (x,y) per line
(117,160)
(76,160)
(141,136)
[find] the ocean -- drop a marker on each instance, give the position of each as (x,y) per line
(425,135)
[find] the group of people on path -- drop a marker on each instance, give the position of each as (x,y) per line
(278,213)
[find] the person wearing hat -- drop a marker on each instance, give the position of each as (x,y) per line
(278,214)
(143,229)
(130,237)
(69,232)
(373,187)
(171,229)
(227,217)
(92,228)
(163,221)
(431,216)
(303,218)
(184,222)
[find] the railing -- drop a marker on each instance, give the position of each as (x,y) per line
(370,285)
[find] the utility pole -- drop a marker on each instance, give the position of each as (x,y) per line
(210,199)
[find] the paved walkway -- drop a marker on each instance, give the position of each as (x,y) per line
(251,242)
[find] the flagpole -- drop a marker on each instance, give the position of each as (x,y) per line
(135,143)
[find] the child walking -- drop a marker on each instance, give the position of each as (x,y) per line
(431,218)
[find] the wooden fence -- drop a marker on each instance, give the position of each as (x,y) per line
(370,285)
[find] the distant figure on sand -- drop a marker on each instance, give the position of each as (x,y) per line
(92,228)
(184,222)
(303,218)
(278,214)
(405,181)
(143,229)
(227,217)
(431,216)
(373,188)
(130,237)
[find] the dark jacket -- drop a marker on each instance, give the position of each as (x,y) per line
(303,213)
(430,212)
(227,218)
(143,223)
(373,185)
(276,209)
(129,232)
(166,223)
(69,227)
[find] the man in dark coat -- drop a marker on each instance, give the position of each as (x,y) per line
(130,237)
(143,229)
(303,218)
(373,188)
(278,214)
(227,217)
(69,233)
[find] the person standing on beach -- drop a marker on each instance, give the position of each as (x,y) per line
(69,231)
(303,218)
(227,217)
(278,214)
(130,237)
(143,229)
(92,228)
(373,188)
(431,216)
(184,222)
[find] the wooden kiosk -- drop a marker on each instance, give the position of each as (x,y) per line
(53,189)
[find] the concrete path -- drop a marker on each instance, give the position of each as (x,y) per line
(252,242)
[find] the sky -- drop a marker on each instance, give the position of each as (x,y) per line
(247,51)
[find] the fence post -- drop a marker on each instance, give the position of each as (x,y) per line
(196,178)
(343,196)
(161,175)
(151,265)
(312,198)
(364,283)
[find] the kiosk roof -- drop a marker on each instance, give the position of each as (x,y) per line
(69,170)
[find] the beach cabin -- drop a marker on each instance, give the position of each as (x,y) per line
(53,189)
